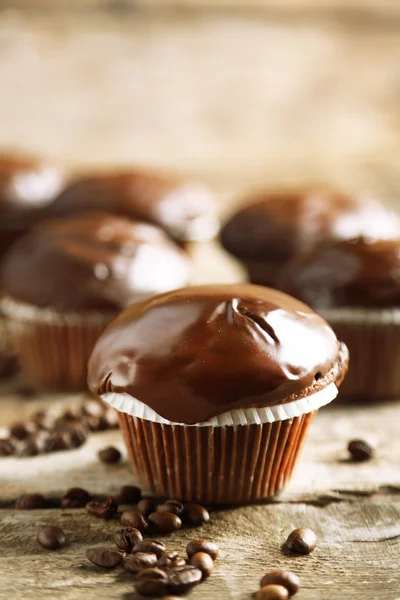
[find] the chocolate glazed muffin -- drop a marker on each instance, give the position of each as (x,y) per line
(355,285)
(184,209)
(66,280)
(275,226)
(216,387)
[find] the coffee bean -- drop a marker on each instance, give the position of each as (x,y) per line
(153,546)
(285,578)
(204,562)
(31,502)
(22,430)
(360,450)
(172,506)
(51,537)
(125,539)
(272,592)
(73,413)
(139,561)
(58,440)
(128,494)
(43,420)
(182,579)
(93,407)
(103,557)
(170,560)
(151,582)
(165,521)
(195,514)
(146,506)
(102,509)
(133,518)
(110,418)
(29,447)
(77,435)
(302,540)
(75,498)
(93,423)
(7,447)
(202,546)
(109,455)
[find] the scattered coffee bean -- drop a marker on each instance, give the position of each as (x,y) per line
(31,502)
(102,509)
(43,420)
(195,514)
(125,539)
(139,561)
(133,518)
(128,494)
(103,557)
(182,579)
(360,450)
(29,447)
(77,435)
(146,506)
(202,546)
(110,418)
(75,498)
(272,592)
(165,521)
(285,578)
(51,537)
(58,440)
(109,455)
(172,506)
(170,560)
(6,447)
(22,430)
(92,407)
(73,413)
(302,540)
(153,546)
(152,582)
(204,562)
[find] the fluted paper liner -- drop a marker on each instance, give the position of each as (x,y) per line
(53,347)
(246,460)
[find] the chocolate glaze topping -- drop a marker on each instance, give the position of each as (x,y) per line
(195,353)
(359,272)
(93,262)
(185,210)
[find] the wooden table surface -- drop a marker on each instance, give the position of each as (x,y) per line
(238,100)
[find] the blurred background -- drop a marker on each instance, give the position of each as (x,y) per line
(238,92)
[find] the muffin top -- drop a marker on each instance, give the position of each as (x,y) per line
(92,262)
(275,226)
(360,272)
(184,209)
(195,353)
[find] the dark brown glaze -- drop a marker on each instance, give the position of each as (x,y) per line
(273,227)
(360,272)
(194,353)
(93,262)
(184,209)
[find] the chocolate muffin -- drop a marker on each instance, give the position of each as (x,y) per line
(355,285)
(275,226)
(66,280)
(232,374)
(184,209)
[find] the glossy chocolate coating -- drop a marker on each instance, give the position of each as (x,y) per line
(359,272)
(184,209)
(198,352)
(93,262)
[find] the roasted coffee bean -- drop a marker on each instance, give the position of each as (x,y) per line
(77,435)
(195,515)
(7,447)
(151,582)
(133,518)
(286,578)
(165,521)
(51,537)
(31,502)
(22,430)
(103,557)
(58,440)
(102,509)
(146,506)
(360,450)
(75,498)
(93,407)
(202,546)
(109,455)
(128,494)
(204,562)
(29,447)
(272,592)
(153,546)
(182,579)
(73,413)
(125,539)
(302,540)
(43,420)
(172,506)
(170,560)
(139,561)
(110,416)
(93,423)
